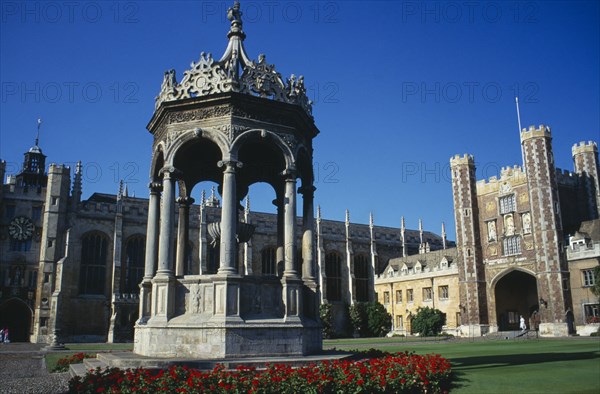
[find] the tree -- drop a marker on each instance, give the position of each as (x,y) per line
(379,320)
(428,321)
(359,319)
(326,315)
(596,287)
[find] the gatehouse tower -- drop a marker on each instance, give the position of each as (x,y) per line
(235,122)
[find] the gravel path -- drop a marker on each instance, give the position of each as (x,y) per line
(23,371)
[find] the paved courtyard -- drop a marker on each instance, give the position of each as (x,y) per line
(22,370)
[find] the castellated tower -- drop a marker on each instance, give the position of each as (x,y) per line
(471,273)
(550,264)
(585,158)
(54,222)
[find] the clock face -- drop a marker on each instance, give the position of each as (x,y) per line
(20,228)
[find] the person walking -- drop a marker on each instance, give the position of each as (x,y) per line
(522,324)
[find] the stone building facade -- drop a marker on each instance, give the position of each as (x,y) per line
(86,282)
(427,279)
(512,235)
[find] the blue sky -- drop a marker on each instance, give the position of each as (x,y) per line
(399,87)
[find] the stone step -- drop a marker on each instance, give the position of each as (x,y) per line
(83,368)
(77,370)
(93,363)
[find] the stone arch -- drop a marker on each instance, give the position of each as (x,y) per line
(197,160)
(157,163)
(263,160)
(185,138)
(515,294)
(17,316)
(285,150)
(502,274)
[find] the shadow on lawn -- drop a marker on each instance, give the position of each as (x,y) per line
(459,365)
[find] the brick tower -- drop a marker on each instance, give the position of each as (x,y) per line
(471,273)
(585,158)
(550,265)
(52,249)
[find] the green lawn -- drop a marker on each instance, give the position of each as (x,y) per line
(505,366)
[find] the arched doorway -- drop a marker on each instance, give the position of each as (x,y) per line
(16,316)
(516,294)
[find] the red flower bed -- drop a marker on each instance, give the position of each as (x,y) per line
(397,373)
(62,365)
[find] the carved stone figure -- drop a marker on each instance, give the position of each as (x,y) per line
(526,223)
(491,227)
(509,225)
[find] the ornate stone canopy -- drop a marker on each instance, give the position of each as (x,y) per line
(234,72)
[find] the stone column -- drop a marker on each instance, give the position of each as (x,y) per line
(152,230)
(151,252)
(229,218)
(165,268)
(183,231)
(279,254)
(308,219)
(291,284)
(289,232)
(163,283)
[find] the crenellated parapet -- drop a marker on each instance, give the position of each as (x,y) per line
(533,132)
(584,147)
(459,160)
(512,176)
(566,178)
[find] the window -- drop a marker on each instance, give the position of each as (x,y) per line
(386,297)
(512,246)
(333,271)
(269,261)
(592,313)
(361,276)
(443,292)
(20,246)
(134,264)
(9,211)
(36,213)
(398,296)
(458,319)
(94,247)
(33,279)
(507,204)
(409,295)
(427,294)
(588,278)
(399,323)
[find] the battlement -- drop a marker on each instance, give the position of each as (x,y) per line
(566,177)
(458,160)
(585,147)
(513,175)
(532,132)
(58,169)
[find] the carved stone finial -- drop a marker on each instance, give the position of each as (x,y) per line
(203,198)
(318,213)
(234,13)
(347,216)
(371,221)
(234,72)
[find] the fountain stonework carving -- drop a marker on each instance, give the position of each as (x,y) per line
(234,122)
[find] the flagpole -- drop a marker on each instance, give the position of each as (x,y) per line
(37,137)
(519,121)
